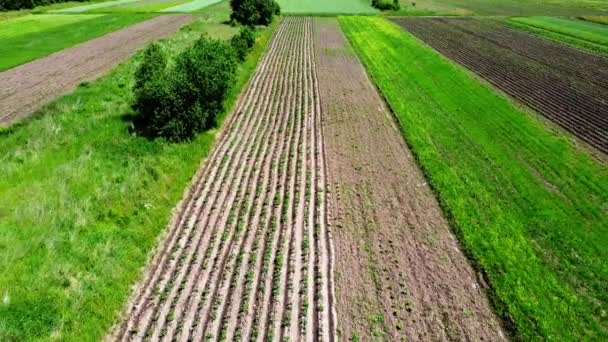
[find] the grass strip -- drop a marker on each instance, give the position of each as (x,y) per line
(580,34)
(142,6)
(191,6)
(82,202)
(323,7)
(84,8)
(528,206)
(598,19)
(27,38)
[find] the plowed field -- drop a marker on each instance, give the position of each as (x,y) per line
(568,86)
(249,255)
(26,88)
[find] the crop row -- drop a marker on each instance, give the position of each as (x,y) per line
(249,254)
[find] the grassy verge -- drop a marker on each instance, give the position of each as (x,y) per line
(528,206)
(82,202)
(143,6)
(598,19)
(312,7)
(30,37)
(580,34)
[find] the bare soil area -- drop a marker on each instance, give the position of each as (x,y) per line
(566,85)
(399,271)
(24,89)
(249,254)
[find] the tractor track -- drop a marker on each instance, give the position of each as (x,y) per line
(248,255)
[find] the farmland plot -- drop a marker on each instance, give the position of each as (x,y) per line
(567,86)
(399,271)
(27,87)
(249,254)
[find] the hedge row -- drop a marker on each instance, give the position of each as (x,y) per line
(176,101)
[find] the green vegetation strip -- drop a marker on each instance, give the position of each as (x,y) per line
(191,6)
(27,38)
(326,7)
(84,8)
(143,6)
(596,19)
(579,33)
(529,207)
(82,202)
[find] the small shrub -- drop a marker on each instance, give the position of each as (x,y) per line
(254,12)
(384,5)
(180,101)
(243,42)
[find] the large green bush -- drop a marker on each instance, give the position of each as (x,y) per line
(180,100)
(254,12)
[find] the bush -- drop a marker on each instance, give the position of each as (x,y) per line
(254,12)
(243,42)
(386,5)
(180,101)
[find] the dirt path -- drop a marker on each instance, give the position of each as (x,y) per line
(566,85)
(24,89)
(249,255)
(399,272)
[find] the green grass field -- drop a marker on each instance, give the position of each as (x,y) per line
(579,33)
(322,7)
(598,19)
(528,206)
(505,7)
(82,202)
(30,37)
(143,6)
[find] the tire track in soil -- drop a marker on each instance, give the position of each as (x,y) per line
(26,88)
(399,271)
(567,86)
(237,261)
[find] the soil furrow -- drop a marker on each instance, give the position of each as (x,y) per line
(236,263)
(193,216)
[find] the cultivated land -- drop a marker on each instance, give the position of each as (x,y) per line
(30,37)
(578,33)
(249,254)
(326,7)
(26,88)
(399,271)
(568,86)
(527,205)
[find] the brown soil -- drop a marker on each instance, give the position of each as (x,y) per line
(248,255)
(399,272)
(567,86)
(24,89)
